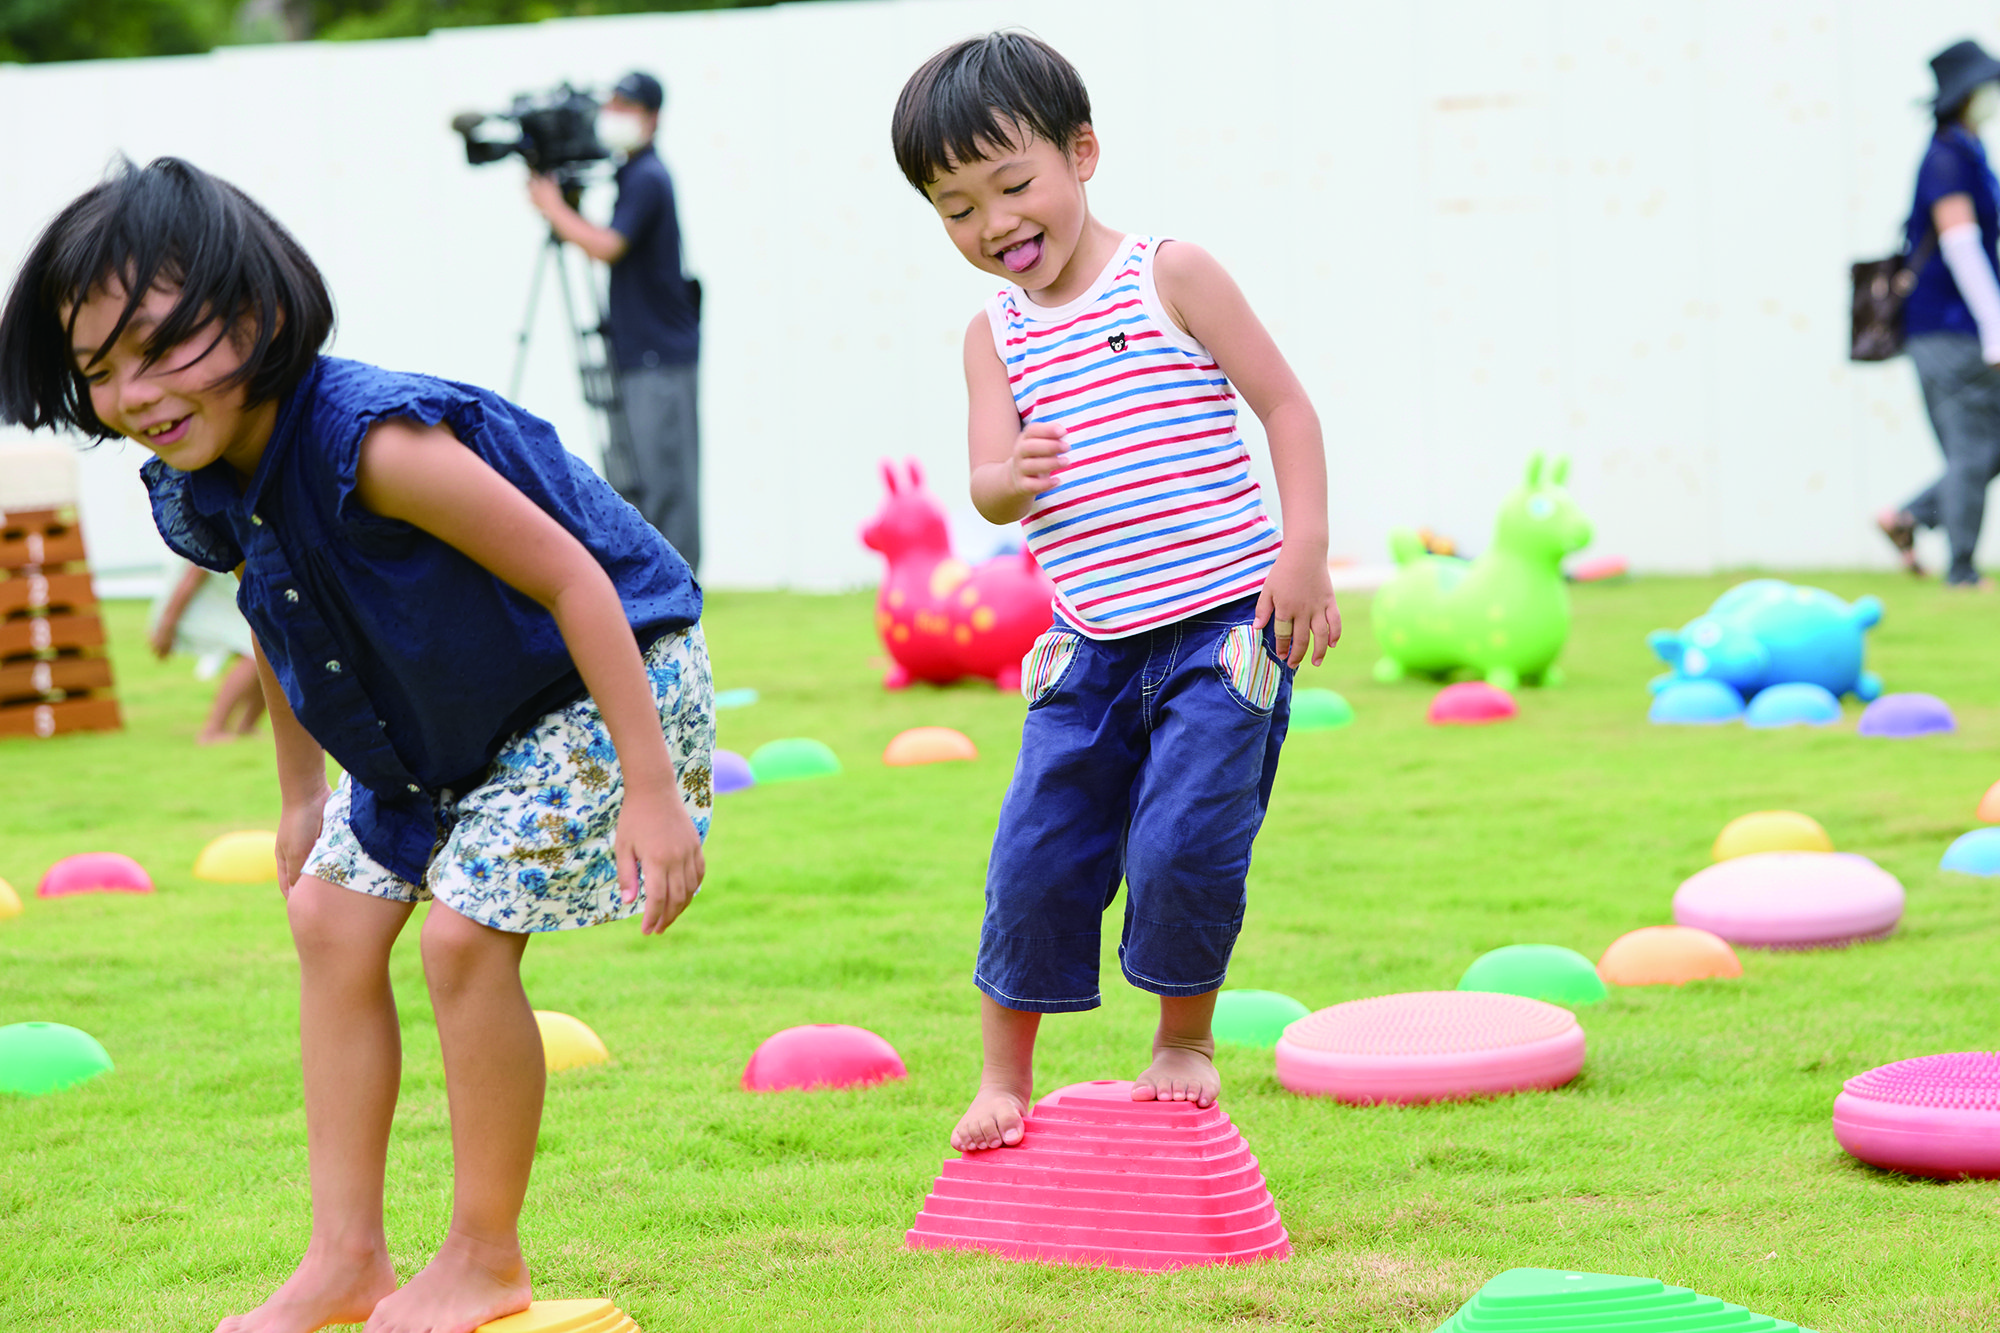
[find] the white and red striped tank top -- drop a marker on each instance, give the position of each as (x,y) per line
(1156,515)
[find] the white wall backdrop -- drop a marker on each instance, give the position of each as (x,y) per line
(1616,229)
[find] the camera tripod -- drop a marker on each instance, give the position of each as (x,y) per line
(594,365)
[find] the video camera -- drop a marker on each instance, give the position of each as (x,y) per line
(554,132)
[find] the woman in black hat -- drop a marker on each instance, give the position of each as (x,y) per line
(1952,318)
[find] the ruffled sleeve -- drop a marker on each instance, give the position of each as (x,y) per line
(186,532)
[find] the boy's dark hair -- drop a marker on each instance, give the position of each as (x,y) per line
(168,222)
(956,108)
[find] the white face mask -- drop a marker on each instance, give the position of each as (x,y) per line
(623,132)
(1982,106)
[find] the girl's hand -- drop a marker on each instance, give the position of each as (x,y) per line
(298,829)
(1038,455)
(1300,593)
(656,843)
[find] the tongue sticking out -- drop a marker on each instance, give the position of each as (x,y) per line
(1023,256)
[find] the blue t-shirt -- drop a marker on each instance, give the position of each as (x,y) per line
(407,661)
(1955,163)
(653,318)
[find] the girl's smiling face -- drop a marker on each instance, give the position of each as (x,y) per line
(1021,215)
(178,406)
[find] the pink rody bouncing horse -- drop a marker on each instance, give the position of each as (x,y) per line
(939,617)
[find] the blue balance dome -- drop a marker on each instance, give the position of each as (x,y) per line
(1794,704)
(1696,703)
(1977,853)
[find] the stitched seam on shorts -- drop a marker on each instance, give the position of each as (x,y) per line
(1096,997)
(1191,987)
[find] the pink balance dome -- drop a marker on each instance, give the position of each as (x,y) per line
(1471,702)
(1938,1115)
(821,1055)
(1428,1046)
(1792,900)
(94,872)
(1101,1179)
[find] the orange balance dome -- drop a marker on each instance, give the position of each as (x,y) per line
(1667,956)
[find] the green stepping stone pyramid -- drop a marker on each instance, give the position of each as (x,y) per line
(1546,1300)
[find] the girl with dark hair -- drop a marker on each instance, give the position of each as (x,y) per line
(504,658)
(1952,317)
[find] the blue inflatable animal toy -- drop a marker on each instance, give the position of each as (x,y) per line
(1768,632)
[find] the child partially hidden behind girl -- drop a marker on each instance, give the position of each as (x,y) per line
(501,654)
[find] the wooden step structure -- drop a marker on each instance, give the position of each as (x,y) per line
(54,676)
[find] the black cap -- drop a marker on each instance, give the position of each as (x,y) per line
(1960,68)
(642,88)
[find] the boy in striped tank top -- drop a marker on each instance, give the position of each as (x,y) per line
(1103,381)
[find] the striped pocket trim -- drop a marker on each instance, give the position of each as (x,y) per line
(1046,664)
(1250,671)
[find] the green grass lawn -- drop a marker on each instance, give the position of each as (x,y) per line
(1696,1146)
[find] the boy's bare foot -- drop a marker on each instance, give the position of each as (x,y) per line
(993,1120)
(466,1284)
(1900,527)
(323,1290)
(1179,1074)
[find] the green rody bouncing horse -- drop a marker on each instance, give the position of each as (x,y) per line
(1505,614)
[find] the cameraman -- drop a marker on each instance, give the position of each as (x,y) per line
(654,324)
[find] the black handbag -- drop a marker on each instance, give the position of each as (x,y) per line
(1881,286)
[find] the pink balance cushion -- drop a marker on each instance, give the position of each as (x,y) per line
(1938,1115)
(94,872)
(1428,1046)
(821,1055)
(1792,900)
(1471,703)
(1102,1179)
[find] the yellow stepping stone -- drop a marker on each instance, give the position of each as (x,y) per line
(568,1042)
(1770,831)
(249,857)
(564,1317)
(10,901)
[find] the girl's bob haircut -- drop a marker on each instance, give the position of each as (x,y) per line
(978,96)
(167,225)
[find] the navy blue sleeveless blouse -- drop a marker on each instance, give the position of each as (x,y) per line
(408,662)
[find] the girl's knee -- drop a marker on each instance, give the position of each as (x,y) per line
(331,922)
(456,946)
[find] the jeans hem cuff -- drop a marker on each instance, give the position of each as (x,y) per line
(1006,1001)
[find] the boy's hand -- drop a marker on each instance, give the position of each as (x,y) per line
(1300,593)
(656,843)
(298,829)
(1039,454)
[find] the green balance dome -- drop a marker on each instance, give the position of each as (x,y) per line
(43,1057)
(1254,1017)
(1319,710)
(790,760)
(1544,1300)
(1538,971)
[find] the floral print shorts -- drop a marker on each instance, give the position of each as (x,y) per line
(531,848)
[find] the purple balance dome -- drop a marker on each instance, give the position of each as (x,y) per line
(732,772)
(1901,715)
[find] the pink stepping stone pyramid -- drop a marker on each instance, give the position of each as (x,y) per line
(1102,1179)
(1937,1115)
(1792,900)
(1427,1046)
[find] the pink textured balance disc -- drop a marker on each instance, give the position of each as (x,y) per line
(1428,1046)
(1101,1179)
(1792,900)
(94,872)
(1938,1115)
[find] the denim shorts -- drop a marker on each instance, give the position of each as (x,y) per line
(530,848)
(1146,759)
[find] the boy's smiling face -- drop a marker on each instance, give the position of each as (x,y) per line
(1020,215)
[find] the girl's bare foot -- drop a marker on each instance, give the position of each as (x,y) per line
(1179,1074)
(994,1120)
(325,1289)
(468,1283)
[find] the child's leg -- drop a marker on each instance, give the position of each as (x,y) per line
(239,689)
(1006,1079)
(1183,1068)
(494,1077)
(351,1051)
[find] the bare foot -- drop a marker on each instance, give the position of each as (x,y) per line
(993,1120)
(1179,1074)
(323,1290)
(207,737)
(466,1284)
